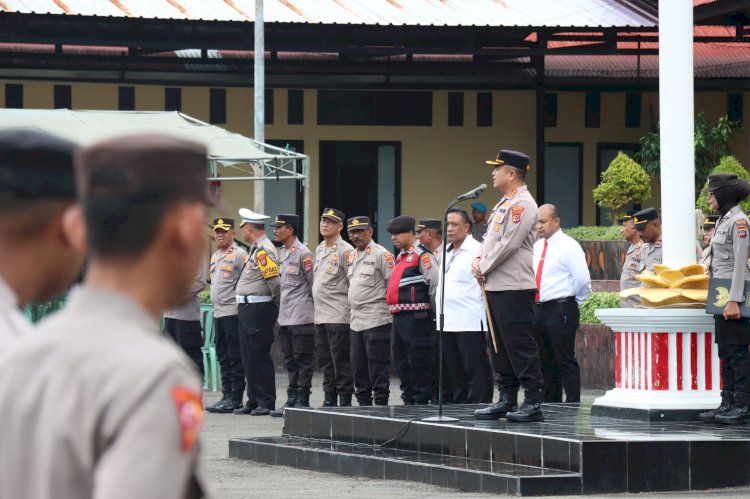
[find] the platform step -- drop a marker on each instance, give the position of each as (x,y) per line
(371,461)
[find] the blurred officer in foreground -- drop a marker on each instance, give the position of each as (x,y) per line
(37,197)
(97,402)
(368,269)
(632,260)
(330,290)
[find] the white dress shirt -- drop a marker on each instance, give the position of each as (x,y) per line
(565,272)
(464,305)
(12,322)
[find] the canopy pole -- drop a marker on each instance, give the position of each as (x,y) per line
(306,187)
(259,87)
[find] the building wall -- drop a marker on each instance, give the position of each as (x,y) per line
(438,162)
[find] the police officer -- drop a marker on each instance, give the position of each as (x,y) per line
(37,194)
(297,312)
(430,235)
(505,267)
(121,409)
(330,290)
(632,260)
(368,269)
(183,322)
(226,266)
(479,216)
(648,225)
(411,299)
(258,294)
(709,226)
(729,260)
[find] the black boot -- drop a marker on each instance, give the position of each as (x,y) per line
(727,403)
(530,410)
(247,409)
(291,399)
(303,398)
(740,413)
(232,403)
(508,402)
(212,407)
(364,400)
(381,399)
(345,400)
(330,399)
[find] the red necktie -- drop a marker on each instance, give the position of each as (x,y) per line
(539,272)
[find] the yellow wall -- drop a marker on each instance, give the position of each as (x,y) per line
(437,162)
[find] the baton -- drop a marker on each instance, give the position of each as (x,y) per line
(489,317)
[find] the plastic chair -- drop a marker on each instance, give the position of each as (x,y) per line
(210,359)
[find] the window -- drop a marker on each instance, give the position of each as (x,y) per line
(126,99)
(62,97)
(217,105)
(455,109)
(377,107)
(550,110)
(593,108)
(268,100)
(13,96)
(633,109)
(295,107)
(484,109)
(734,108)
(172,99)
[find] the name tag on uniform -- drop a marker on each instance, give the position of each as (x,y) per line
(292,270)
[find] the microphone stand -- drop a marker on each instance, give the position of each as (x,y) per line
(440,418)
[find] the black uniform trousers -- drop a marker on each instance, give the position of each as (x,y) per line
(467,363)
(332,348)
(189,335)
(555,326)
(448,373)
(227,330)
(413,343)
(370,357)
(732,338)
(297,344)
(517,359)
(256,337)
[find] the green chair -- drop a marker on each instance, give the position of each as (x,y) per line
(210,360)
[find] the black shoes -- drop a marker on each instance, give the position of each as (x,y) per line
(740,413)
(261,411)
(228,406)
(330,399)
(530,410)
(291,400)
(345,400)
(245,410)
(727,403)
(303,398)
(508,402)
(212,407)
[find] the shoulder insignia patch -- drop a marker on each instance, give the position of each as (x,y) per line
(426,263)
(307,262)
(350,258)
(189,409)
(368,250)
(267,266)
(293,249)
(512,194)
(741,229)
(231,249)
(244,258)
(410,258)
(516,213)
(389,262)
(658,244)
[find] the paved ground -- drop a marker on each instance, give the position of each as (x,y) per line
(237,478)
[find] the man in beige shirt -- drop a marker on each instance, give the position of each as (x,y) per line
(97,402)
(330,289)
(368,269)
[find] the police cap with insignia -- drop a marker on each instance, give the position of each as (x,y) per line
(627,216)
(429,223)
(401,224)
(286,219)
(36,165)
(248,216)
(515,159)
(641,218)
(333,214)
(710,221)
(358,223)
(223,223)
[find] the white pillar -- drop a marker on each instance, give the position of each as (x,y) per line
(677,147)
(259,87)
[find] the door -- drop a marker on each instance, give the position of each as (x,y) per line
(563,175)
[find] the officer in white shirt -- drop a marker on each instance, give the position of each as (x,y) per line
(563,283)
(464,344)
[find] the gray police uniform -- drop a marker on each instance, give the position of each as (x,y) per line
(182,322)
(651,254)
(103,406)
(224,271)
(330,289)
(297,314)
(258,294)
(368,272)
(478,230)
(627,278)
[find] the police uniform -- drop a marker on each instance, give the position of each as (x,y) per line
(368,272)
(296,315)
(709,224)
(183,322)
(330,290)
(224,271)
(630,268)
(258,294)
(411,299)
(506,262)
(479,229)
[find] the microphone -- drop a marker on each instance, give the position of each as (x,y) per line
(472,194)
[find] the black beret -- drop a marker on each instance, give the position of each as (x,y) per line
(710,221)
(400,224)
(627,216)
(333,214)
(644,216)
(429,223)
(35,164)
(223,223)
(286,219)
(516,159)
(358,223)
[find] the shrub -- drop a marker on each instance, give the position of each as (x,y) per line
(595,301)
(727,164)
(205,296)
(624,183)
(594,233)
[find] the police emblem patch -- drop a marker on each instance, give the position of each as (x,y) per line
(308,263)
(426,263)
(516,212)
(189,414)
(741,229)
(389,262)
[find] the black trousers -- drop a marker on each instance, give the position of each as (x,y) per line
(227,330)
(332,348)
(370,357)
(256,338)
(413,343)
(469,366)
(297,344)
(517,359)
(555,326)
(731,338)
(448,372)
(189,335)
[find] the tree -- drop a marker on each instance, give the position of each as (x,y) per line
(727,164)
(712,141)
(624,182)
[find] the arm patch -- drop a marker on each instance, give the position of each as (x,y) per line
(267,266)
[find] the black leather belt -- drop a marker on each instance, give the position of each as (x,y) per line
(557,301)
